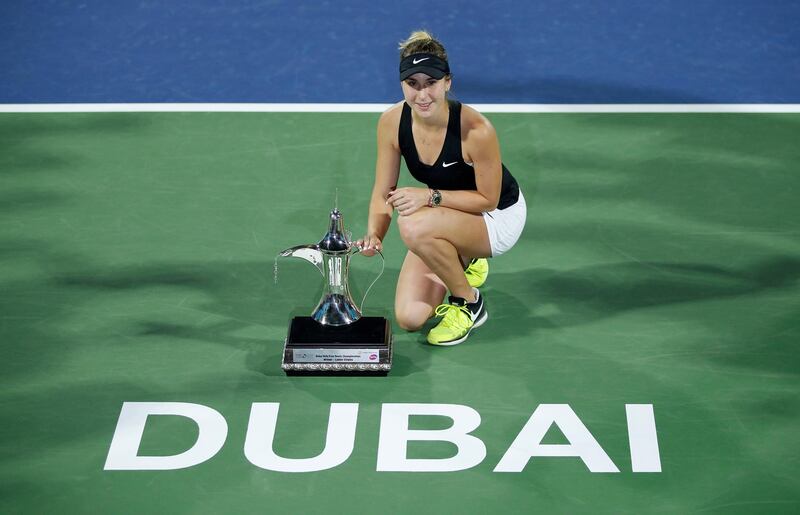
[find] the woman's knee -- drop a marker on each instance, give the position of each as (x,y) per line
(409,319)
(414,229)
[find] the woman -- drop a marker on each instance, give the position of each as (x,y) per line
(470,209)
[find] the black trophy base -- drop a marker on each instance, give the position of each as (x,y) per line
(363,348)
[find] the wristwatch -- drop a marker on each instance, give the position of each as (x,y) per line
(436,198)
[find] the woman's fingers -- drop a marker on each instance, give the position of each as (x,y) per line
(369,245)
(406,201)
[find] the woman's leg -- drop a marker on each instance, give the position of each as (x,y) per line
(437,236)
(418,293)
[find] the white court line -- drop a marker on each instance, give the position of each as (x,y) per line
(377,108)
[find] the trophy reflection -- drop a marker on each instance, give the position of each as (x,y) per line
(336,339)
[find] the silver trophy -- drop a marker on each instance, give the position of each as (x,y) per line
(332,257)
(336,339)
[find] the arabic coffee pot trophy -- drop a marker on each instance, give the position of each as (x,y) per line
(336,339)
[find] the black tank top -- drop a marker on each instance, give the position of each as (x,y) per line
(449,172)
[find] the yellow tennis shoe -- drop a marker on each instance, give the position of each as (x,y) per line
(459,318)
(477,272)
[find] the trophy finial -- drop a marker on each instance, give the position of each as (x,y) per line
(335,240)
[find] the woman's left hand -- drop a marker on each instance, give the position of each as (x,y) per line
(408,200)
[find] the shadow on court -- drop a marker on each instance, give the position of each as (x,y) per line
(585,295)
(43,143)
(698,172)
(233,297)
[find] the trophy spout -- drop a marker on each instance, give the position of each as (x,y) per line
(310,253)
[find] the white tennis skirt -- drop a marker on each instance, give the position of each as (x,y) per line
(505,225)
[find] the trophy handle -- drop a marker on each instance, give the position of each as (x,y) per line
(310,253)
(383,265)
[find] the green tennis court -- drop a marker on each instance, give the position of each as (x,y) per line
(660,266)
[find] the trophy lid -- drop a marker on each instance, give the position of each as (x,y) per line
(335,239)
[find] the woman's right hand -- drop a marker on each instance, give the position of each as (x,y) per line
(369,245)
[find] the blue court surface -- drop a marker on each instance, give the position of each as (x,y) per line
(640,352)
(674,51)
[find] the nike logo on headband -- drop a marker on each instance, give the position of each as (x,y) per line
(417,61)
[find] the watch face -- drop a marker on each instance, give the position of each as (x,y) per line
(437,198)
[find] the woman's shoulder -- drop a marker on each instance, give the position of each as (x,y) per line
(391,117)
(389,124)
(474,124)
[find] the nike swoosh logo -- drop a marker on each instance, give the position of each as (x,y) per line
(445,165)
(417,61)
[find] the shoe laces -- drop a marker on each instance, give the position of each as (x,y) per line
(470,270)
(452,318)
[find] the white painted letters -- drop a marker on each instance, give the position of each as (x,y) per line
(528,442)
(123,453)
(339,442)
(642,437)
(392,455)
(395,435)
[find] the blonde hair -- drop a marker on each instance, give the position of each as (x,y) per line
(421,41)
